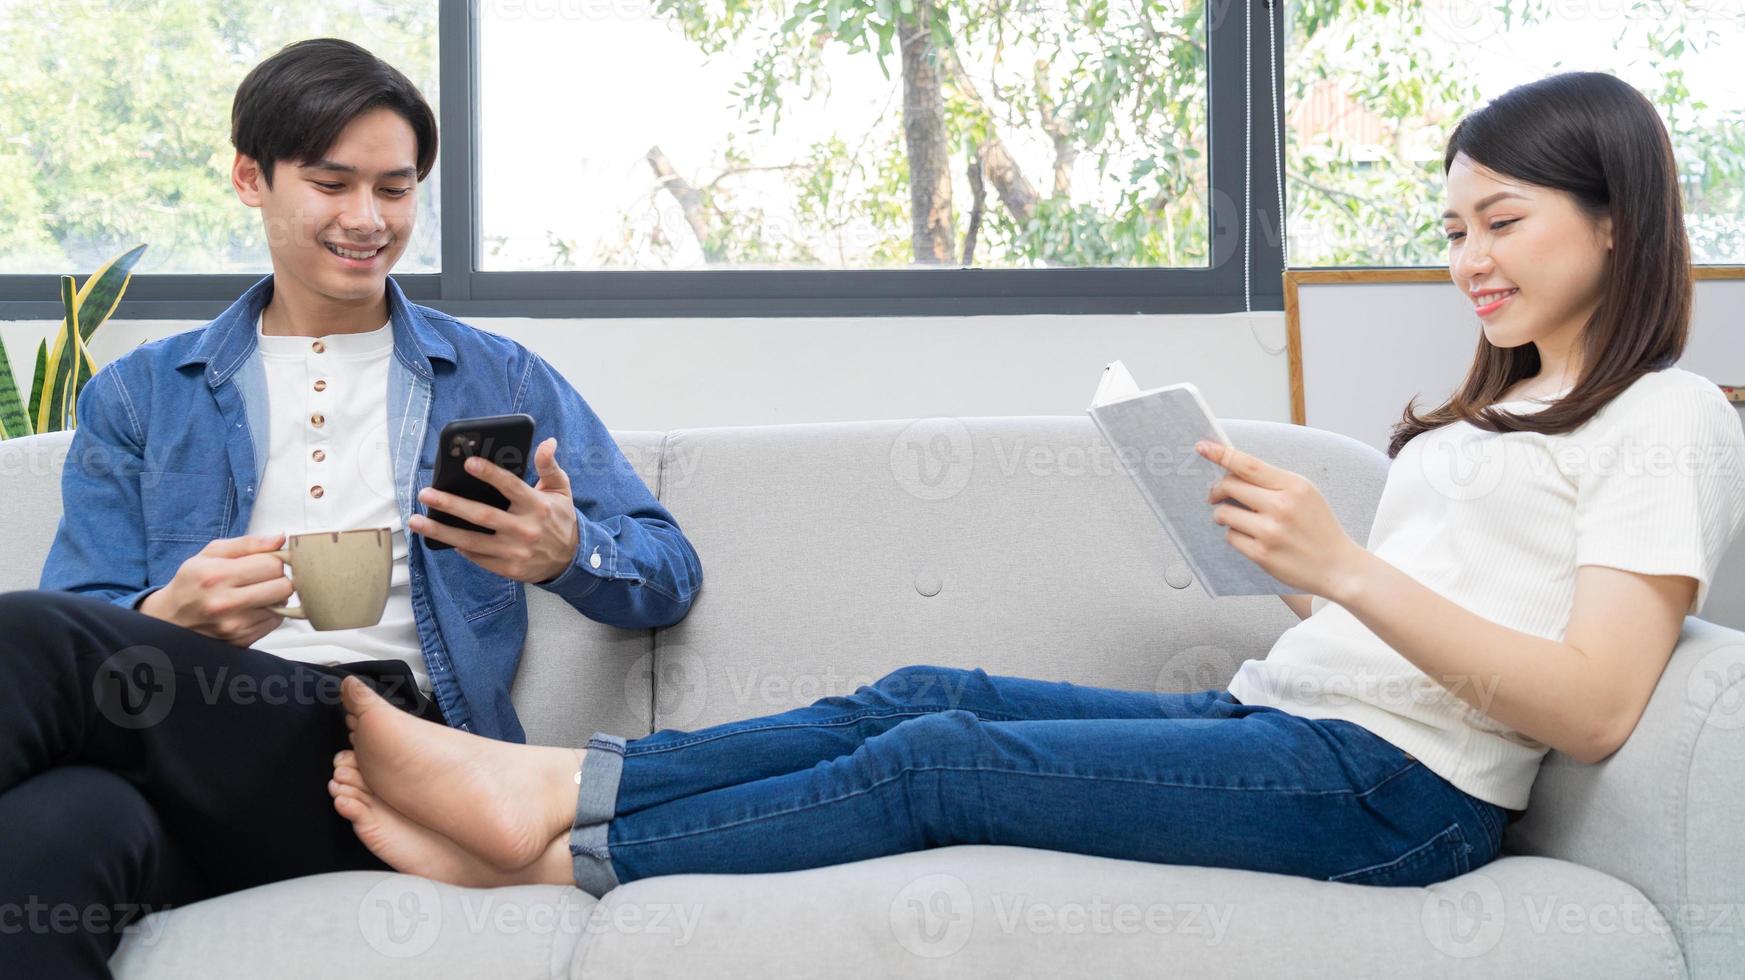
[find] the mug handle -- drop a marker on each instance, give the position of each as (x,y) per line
(293,612)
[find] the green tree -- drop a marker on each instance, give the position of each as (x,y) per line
(114,121)
(115,125)
(1124,87)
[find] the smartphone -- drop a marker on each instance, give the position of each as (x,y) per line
(506,440)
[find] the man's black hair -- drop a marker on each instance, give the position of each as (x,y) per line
(293,105)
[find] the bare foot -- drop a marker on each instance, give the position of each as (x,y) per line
(407,846)
(500,801)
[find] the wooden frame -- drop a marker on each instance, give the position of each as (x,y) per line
(1295,277)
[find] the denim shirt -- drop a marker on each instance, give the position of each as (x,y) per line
(164,459)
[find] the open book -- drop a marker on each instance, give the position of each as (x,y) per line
(1153,434)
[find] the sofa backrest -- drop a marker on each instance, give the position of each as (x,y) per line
(834,553)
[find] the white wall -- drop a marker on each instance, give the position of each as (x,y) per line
(667,374)
(1369,348)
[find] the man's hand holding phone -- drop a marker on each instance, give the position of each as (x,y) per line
(535,539)
(226,590)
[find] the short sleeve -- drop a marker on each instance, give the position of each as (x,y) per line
(1661,488)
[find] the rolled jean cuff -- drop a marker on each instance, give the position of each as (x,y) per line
(596,802)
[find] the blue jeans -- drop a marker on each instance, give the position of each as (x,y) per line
(935,756)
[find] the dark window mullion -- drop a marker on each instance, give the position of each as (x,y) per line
(457,56)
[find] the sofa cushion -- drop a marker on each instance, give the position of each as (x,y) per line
(364,924)
(577,676)
(835,553)
(30,485)
(1003,912)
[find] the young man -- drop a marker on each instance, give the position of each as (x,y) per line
(164,736)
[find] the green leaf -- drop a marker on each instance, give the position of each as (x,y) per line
(51,411)
(63,370)
(13,420)
(38,374)
(102,291)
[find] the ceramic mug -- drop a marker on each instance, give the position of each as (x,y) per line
(340,577)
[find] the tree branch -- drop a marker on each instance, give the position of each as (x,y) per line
(690,202)
(978,201)
(1016,192)
(1058,130)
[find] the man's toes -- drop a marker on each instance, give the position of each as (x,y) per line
(347,776)
(339,789)
(350,807)
(357,696)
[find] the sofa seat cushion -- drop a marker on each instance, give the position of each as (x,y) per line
(1005,912)
(364,924)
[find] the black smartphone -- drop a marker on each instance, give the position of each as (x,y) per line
(506,440)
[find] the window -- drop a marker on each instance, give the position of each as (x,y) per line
(1374,89)
(684,157)
(677,134)
(115,127)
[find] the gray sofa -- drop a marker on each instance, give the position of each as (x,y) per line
(837,552)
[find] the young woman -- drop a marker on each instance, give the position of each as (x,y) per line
(1539,541)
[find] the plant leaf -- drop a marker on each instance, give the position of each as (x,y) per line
(37,376)
(14,421)
(102,291)
(62,357)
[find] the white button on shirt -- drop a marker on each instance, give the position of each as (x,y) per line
(329,468)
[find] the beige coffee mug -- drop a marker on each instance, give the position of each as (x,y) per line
(341,577)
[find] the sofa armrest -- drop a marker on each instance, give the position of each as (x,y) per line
(1666,812)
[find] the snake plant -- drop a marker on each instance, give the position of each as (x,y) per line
(63,367)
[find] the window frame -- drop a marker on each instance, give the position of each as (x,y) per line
(462,290)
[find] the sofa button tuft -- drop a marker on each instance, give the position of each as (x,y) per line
(928,582)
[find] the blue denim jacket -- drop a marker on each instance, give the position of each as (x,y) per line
(164,460)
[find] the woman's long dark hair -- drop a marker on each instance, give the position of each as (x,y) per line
(1600,140)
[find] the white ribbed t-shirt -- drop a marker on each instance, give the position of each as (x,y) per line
(1498,523)
(329,468)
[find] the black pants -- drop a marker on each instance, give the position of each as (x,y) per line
(143,765)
